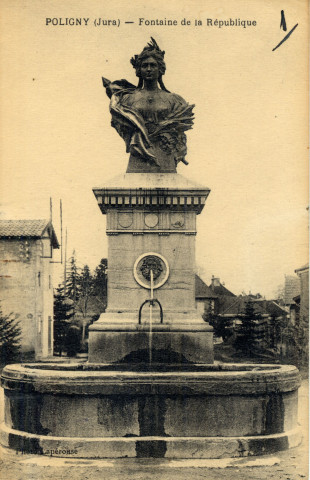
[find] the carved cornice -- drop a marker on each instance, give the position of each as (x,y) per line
(174,200)
(152,191)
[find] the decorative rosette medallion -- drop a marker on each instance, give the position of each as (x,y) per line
(151,220)
(148,262)
(125,219)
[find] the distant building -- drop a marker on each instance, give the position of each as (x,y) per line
(291,289)
(219,289)
(295,310)
(26,252)
(204,297)
(224,296)
(303,274)
(231,309)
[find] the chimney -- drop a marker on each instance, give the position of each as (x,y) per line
(215,282)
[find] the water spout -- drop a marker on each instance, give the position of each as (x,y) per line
(151,318)
(151,302)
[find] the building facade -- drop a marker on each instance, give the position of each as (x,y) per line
(26,252)
(291,289)
(204,297)
(303,274)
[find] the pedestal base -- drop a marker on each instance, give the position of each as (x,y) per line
(149,447)
(134,343)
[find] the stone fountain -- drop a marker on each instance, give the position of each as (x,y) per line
(150,387)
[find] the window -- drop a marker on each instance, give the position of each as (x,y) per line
(39,323)
(49,333)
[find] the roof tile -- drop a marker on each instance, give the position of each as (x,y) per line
(27,228)
(22,228)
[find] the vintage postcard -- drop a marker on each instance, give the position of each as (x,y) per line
(154,239)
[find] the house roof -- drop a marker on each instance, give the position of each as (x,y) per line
(272,308)
(220,290)
(303,268)
(236,305)
(229,305)
(28,229)
(202,290)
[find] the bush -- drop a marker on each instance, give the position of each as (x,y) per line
(73,340)
(10,333)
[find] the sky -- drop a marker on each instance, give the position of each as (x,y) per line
(249,143)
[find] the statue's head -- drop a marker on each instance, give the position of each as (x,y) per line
(152,51)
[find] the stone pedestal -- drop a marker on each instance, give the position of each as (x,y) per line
(151,224)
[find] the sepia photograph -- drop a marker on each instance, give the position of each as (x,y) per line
(154,282)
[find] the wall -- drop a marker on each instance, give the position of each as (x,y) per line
(176,295)
(304,297)
(204,306)
(26,290)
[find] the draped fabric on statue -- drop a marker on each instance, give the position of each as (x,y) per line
(154,134)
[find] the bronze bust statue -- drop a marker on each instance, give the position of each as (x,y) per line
(151,120)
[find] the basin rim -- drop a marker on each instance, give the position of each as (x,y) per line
(96,379)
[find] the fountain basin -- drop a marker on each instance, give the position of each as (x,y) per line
(173,411)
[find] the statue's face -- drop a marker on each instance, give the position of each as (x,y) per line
(149,69)
(151,263)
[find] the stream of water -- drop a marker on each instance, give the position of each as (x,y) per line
(151,319)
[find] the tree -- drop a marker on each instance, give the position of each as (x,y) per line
(87,292)
(92,293)
(63,312)
(251,332)
(223,327)
(295,340)
(71,287)
(100,283)
(85,289)
(10,334)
